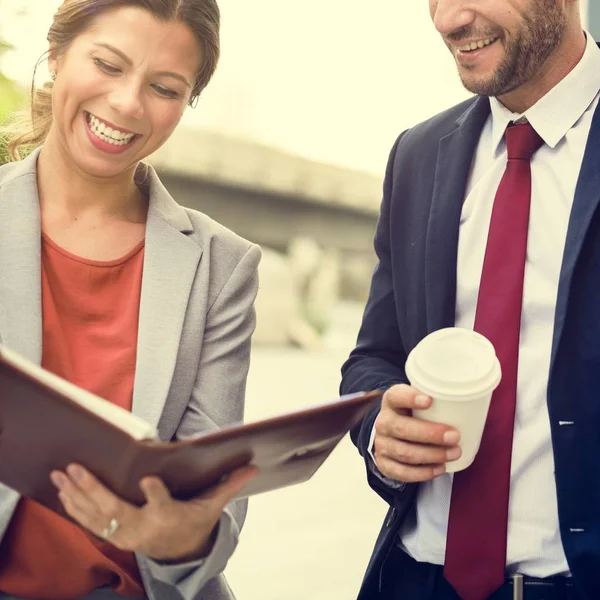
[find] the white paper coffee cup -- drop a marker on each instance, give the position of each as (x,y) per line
(459,370)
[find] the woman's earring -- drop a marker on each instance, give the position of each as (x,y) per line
(53,75)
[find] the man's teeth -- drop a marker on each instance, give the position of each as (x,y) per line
(476,45)
(107,134)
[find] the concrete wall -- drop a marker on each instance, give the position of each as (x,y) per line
(274,221)
(271,197)
(242,164)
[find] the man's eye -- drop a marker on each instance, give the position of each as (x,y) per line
(165,92)
(106,67)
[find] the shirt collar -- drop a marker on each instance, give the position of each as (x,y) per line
(555,114)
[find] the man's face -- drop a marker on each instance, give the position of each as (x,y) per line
(499,45)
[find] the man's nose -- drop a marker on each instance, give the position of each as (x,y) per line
(451,15)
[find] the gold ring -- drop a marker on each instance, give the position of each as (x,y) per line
(110,530)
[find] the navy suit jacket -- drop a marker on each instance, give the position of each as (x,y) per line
(413,292)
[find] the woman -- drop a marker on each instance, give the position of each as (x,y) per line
(115,287)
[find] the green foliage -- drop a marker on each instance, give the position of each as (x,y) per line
(12,97)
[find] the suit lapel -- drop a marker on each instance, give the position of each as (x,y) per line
(451,174)
(20,243)
(585,204)
(170,263)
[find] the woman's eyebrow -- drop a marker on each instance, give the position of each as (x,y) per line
(126,59)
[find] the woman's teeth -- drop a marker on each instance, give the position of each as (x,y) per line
(107,134)
(476,45)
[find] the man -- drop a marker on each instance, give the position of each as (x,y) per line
(509,246)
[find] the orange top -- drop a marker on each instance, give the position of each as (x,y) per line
(90,324)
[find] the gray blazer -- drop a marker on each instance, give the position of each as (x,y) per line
(196,320)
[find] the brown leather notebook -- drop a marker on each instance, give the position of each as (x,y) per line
(47,423)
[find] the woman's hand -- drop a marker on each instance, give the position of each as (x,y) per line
(164,529)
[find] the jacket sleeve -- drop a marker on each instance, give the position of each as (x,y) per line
(217,400)
(377,361)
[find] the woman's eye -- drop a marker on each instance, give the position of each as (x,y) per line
(106,67)
(165,92)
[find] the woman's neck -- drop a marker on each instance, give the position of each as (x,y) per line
(66,189)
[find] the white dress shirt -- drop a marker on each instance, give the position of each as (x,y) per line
(563,119)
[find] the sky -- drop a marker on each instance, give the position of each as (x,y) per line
(331,80)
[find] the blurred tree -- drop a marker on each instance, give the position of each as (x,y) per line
(12,97)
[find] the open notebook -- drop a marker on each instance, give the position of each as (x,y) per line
(47,423)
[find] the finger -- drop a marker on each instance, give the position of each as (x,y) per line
(411,429)
(82,514)
(91,522)
(108,505)
(223,493)
(156,492)
(414,454)
(78,515)
(404,397)
(70,490)
(408,473)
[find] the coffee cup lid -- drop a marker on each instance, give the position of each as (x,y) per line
(454,363)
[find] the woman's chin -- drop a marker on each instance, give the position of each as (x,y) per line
(100,167)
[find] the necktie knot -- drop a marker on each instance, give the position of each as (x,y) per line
(522,142)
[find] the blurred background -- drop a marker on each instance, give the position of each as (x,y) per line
(287,147)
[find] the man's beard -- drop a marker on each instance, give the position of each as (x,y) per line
(542,31)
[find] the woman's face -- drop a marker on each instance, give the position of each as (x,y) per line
(120,90)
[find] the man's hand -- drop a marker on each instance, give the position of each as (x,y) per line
(409,449)
(163,529)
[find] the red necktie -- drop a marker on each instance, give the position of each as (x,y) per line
(477,529)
